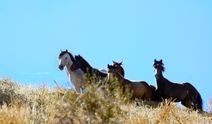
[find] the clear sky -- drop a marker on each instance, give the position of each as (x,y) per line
(133,31)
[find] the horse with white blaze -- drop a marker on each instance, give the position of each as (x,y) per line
(66,59)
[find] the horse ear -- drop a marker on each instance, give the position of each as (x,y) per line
(115,62)
(155,60)
(109,66)
(66,50)
(121,63)
(161,61)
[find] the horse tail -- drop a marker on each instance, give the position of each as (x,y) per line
(194,96)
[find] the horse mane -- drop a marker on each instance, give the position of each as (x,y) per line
(64,52)
(162,67)
(80,58)
(123,73)
(86,67)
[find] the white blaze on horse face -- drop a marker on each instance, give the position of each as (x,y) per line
(110,76)
(156,71)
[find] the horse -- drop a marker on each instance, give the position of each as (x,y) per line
(120,69)
(140,89)
(185,92)
(81,63)
(66,59)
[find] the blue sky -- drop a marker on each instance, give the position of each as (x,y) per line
(133,31)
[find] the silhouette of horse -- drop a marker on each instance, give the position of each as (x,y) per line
(140,89)
(66,59)
(186,93)
(81,63)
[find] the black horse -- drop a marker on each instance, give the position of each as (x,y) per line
(186,93)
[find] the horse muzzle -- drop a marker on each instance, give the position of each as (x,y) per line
(61,67)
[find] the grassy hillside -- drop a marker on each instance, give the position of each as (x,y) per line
(29,105)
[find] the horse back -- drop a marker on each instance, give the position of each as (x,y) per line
(142,87)
(189,85)
(173,90)
(98,73)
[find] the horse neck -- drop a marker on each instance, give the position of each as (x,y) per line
(119,77)
(86,68)
(99,73)
(122,71)
(159,78)
(158,74)
(68,67)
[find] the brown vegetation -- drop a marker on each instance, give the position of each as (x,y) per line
(30,105)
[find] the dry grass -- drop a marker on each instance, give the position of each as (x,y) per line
(29,105)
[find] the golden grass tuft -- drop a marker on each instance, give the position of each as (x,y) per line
(43,105)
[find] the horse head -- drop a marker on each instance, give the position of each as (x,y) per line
(119,68)
(117,63)
(110,68)
(65,59)
(158,65)
(114,71)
